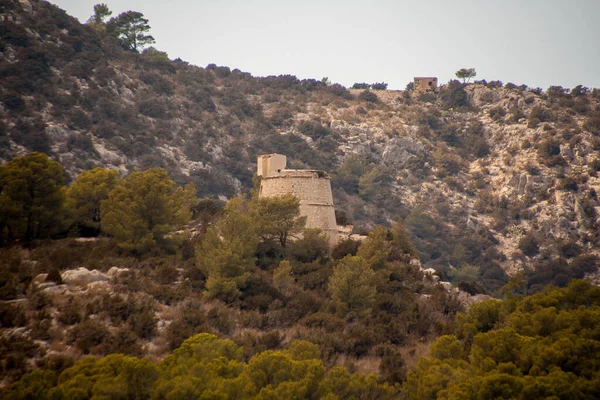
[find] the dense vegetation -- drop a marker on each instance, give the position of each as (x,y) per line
(204,367)
(248,271)
(542,346)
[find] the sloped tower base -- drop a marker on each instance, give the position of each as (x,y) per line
(312,188)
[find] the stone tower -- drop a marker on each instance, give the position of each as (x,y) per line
(425,83)
(312,187)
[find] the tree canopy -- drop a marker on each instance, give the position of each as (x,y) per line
(32,196)
(542,346)
(352,285)
(85,196)
(144,207)
(226,254)
(131,28)
(204,366)
(101,12)
(466,74)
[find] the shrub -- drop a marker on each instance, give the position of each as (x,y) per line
(361,86)
(368,96)
(12,315)
(454,95)
(497,113)
(344,248)
(584,263)
(529,245)
(549,152)
(314,129)
(87,335)
(569,249)
(379,86)
(153,108)
(538,114)
(592,123)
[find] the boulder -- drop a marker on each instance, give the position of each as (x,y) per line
(83,274)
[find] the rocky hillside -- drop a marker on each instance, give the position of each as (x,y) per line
(488,178)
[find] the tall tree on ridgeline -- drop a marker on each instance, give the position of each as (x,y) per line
(131,28)
(466,74)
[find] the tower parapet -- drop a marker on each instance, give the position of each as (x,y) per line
(311,187)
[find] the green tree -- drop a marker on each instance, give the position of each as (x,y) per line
(464,273)
(401,241)
(283,280)
(348,174)
(277,218)
(466,74)
(143,208)
(86,195)
(352,285)
(101,13)
(32,195)
(226,254)
(314,245)
(373,185)
(131,28)
(376,248)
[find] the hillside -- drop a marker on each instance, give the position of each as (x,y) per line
(471,170)
(493,185)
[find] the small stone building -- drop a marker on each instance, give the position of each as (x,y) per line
(426,84)
(312,187)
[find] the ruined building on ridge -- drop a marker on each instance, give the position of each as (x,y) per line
(311,187)
(425,84)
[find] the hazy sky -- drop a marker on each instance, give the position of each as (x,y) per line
(534,42)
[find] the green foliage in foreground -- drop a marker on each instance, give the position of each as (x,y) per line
(144,207)
(542,346)
(32,195)
(204,367)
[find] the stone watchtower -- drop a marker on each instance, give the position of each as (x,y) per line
(312,187)
(426,84)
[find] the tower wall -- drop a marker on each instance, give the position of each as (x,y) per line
(313,188)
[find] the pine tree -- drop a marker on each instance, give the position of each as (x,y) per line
(32,195)
(352,285)
(131,28)
(86,195)
(143,208)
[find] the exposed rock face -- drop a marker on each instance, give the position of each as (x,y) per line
(83,274)
(399,150)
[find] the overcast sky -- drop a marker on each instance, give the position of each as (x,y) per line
(533,42)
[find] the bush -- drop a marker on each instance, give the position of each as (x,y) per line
(153,108)
(569,249)
(379,86)
(368,96)
(497,113)
(592,123)
(454,95)
(529,245)
(538,115)
(361,86)
(314,129)
(549,152)
(12,315)
(87,335)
